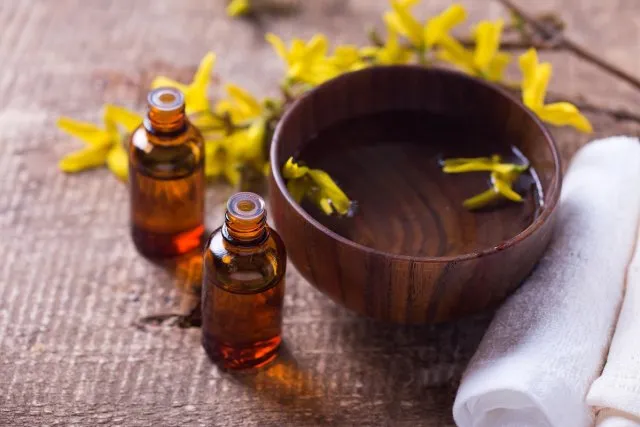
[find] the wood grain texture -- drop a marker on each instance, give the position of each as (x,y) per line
(72,287)
(416,286)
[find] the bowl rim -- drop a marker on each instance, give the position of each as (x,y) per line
(548,208)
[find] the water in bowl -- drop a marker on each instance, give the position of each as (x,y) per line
(390,164)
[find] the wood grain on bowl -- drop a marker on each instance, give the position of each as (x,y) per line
(412,254)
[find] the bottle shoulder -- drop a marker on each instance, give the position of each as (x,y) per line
(172,156)
(244,269)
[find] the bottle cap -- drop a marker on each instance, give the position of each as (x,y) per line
(246,206)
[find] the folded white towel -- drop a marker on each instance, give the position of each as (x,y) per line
(547,343)
(614,418)
(618,387)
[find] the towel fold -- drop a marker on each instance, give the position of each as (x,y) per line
(618,388)
(547,343)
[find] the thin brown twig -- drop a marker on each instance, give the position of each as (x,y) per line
(513,45)
(616,113)
(562,40)
(581,104)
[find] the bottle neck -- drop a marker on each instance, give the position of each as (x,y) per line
(239,231)
(245,221)
(165,111)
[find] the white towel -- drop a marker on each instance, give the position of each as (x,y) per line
(618,388)
(547,343)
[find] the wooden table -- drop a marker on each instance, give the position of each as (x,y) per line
(72,288)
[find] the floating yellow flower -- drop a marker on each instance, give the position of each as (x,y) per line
(481,164)
(534,88)
(306,61)
(195,93)
(401,20)
(237,8)
(317,186)
(391,53)
(503,175)
(501,187)
(486,60)
(104,145)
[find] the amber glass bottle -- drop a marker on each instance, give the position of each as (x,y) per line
(166,175)
(243,287)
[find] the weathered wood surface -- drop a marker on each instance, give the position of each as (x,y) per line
(72,287)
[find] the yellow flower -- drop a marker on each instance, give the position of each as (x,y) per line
(227,154)
(390,53)
(306,61)
(503,175)
(501,187)
(534,88)
(195,93)
(219,162)
(240,105)
(345,58)
(441,25)
(317,186)
(238,8)
(401,20)
(486,60)
(104,145)
(481,164)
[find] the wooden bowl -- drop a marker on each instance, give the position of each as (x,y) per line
(412,253)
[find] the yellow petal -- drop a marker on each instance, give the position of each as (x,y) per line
(564,113)
(232,173)
(462,160)
(162,81)
(487,35)
(533,96)
(456,54)
(87,158)
(214,158)
(316,47)
(249,105)
(206,122)
(278,45)
(504,188)
(298,188)
(440,26)
(203,74)
(481,200)
(87,132)
(326,206)
(118,161)
(405,23)
(497,66)
(291,170)
(122,116)
(247,145)
(331,190)
(238,8)
(392,21)
(528,65)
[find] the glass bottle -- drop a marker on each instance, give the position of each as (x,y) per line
(166,176)
(243,287)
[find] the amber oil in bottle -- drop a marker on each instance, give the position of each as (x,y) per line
(243,287)
(166,176)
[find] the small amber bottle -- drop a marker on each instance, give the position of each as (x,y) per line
(243,287)
(166,176)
